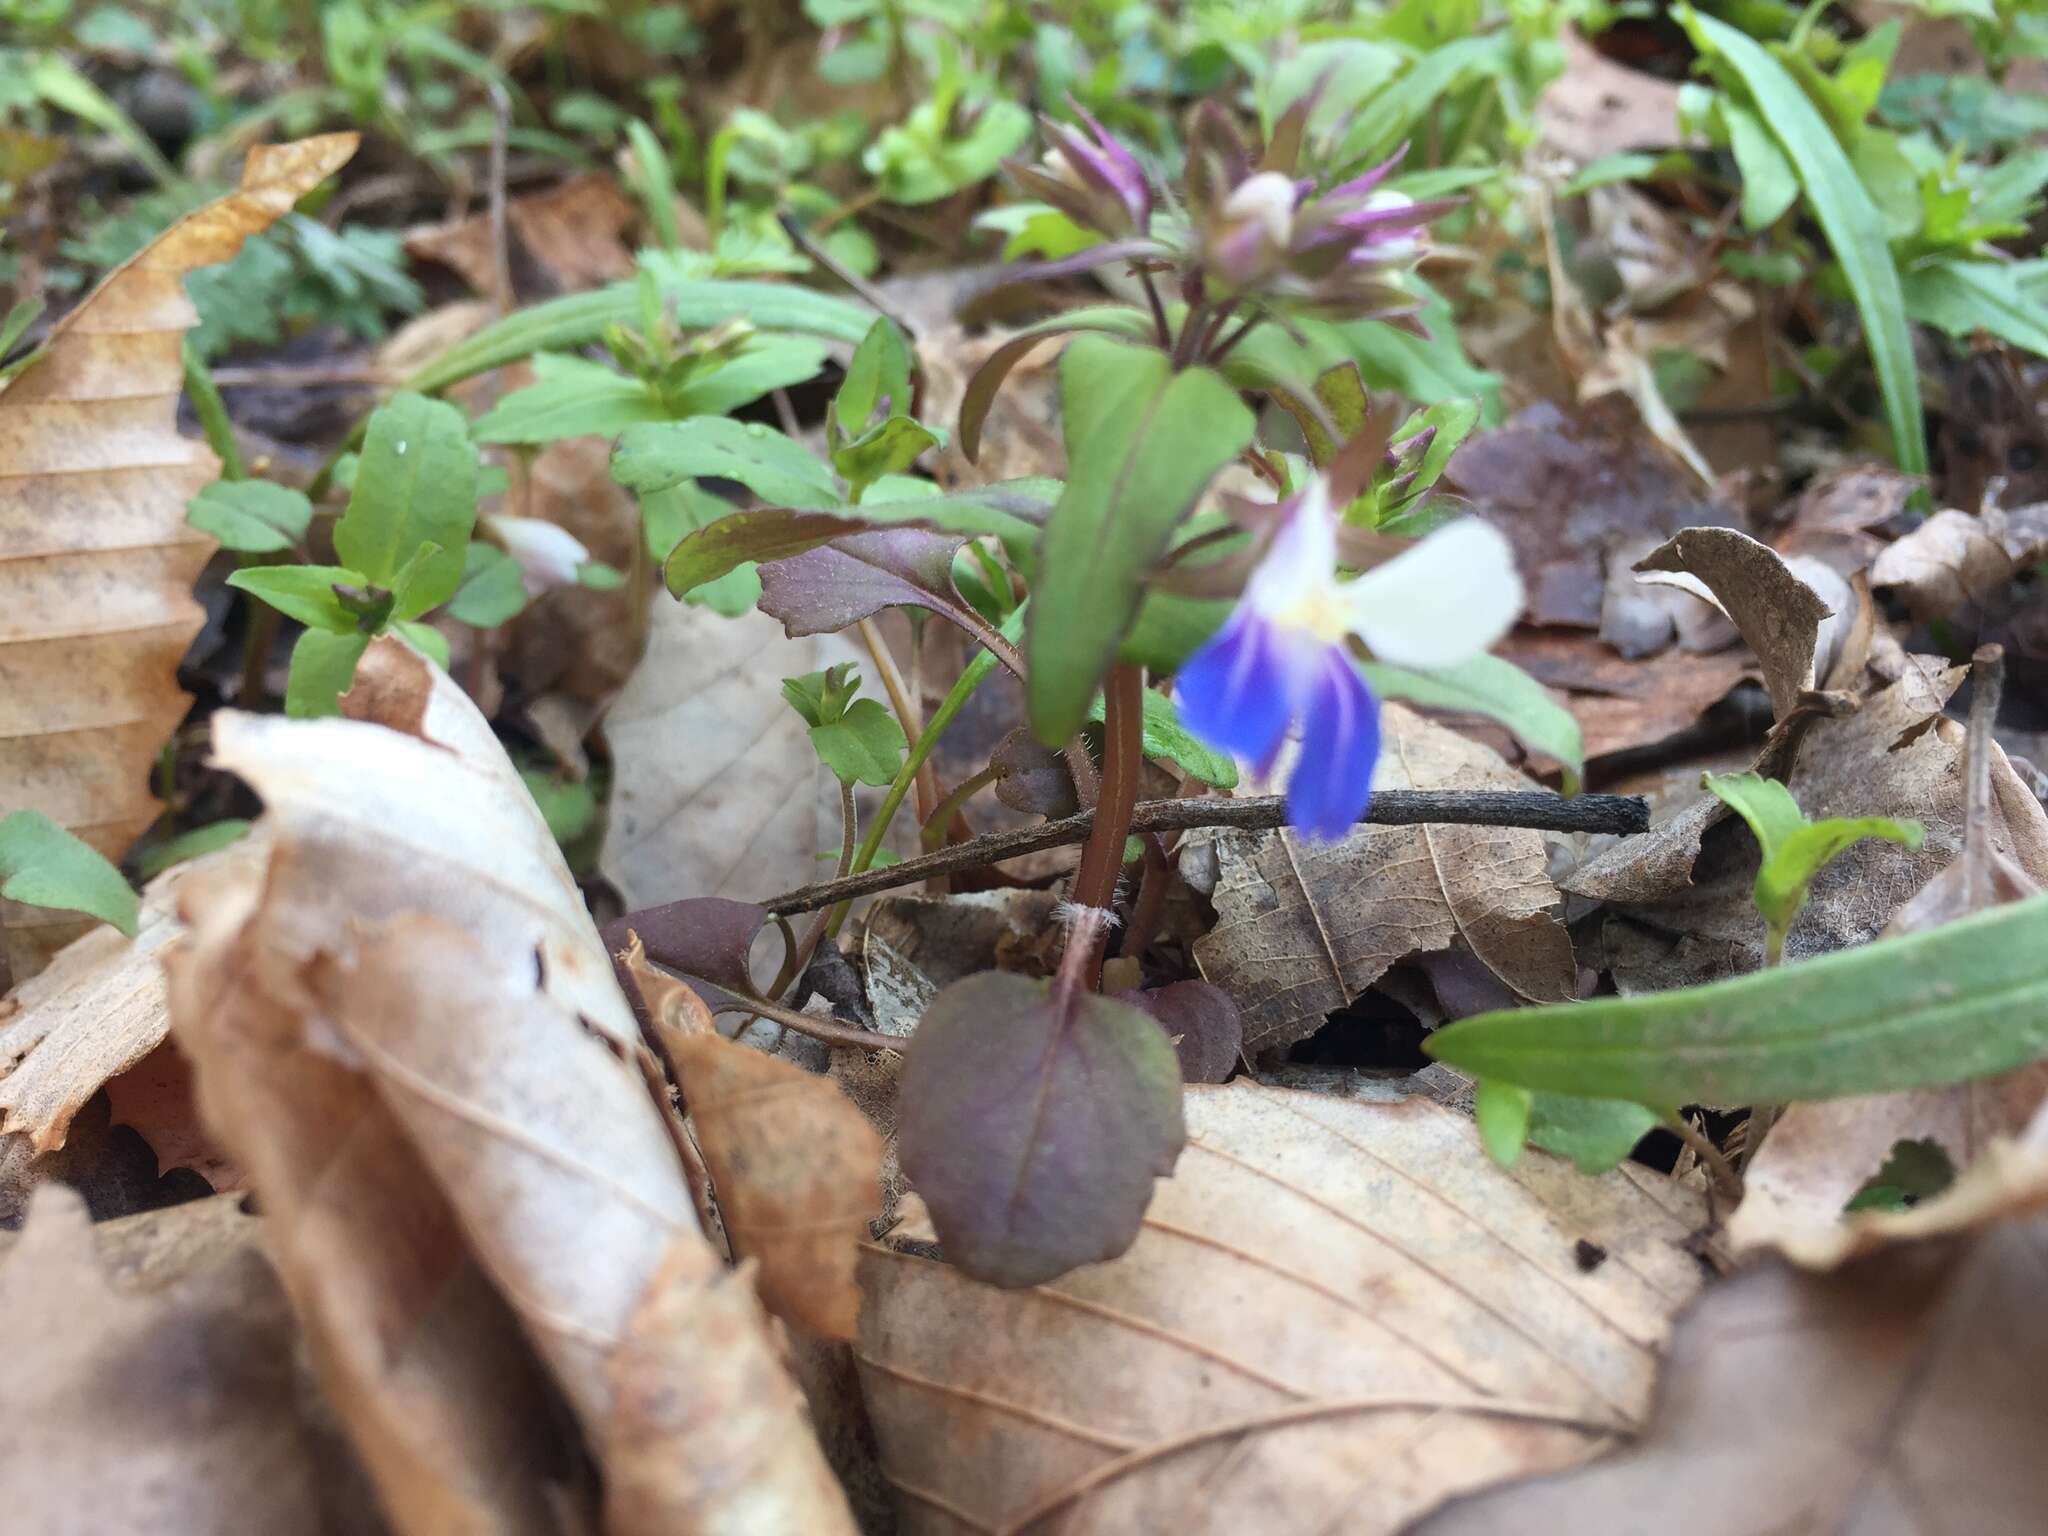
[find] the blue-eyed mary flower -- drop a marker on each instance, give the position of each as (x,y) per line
(1284,656)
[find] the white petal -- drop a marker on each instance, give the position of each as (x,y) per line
(1268,199)
(1301,562)
(1442,602)
(548,554)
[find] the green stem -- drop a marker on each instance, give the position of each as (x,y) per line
(971,678)
(213,415)
(942,815)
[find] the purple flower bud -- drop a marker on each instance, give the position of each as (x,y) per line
(1103,167)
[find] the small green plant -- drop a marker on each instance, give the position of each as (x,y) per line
(42,865)
(1795,849)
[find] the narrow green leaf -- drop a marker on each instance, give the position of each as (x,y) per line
(210,838)
(1769,184)
(415,485)
(1957,1002)
(42,865)
(1596,1134)
(22,314)
(1854,227)
(779,471)
(865,745)
(253,517)
(1501,1111)
(1500,691)
(757,367)
(1963,297)
(695,304)
(1108,319)
(1795,850)
(323,666)
(302,592)
(888,448)
(877,378)
(570,397)
(493,590)
(1143,442)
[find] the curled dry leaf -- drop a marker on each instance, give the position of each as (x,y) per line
(708,1434)
(422,1360)
(94,478)
(173,1409)
(1336,1315)
(1302,928)
(797,1171)
(540,1132)
(716,789)
(1955,560)
(1897,1395)
(98,1010)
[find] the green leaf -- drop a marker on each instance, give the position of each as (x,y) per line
(758,366)
(1916,1170)
(599,577)
(1795,850)
(1964,297)
(694,304)
(672,515)
(1596,1134)
(425,639)
(1392,113)
(20,315)
(820,698)
(877,378)
(42,865)
(1109,319)
(568,806)
(254,517)
(415,486)
(1033,1121)
(1965,1000)
(779,471)
(742,538)
(190,845)
(1769,184)
(1501,1111)
(1167,740)
(302,592)
(323,666)
(1500,691)
(1854,227)
(1143,442)
(1609,169)
(571,397)
(865,745)
(888,448)
(492,592)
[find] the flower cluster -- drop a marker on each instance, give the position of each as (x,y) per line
(1284,656)
(1245,227)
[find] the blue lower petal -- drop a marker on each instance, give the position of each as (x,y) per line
(1332,783)
(1236,693)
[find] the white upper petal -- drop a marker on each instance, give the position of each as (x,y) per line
(1299,570)
(1268,199)
(548,554)
(1440,603)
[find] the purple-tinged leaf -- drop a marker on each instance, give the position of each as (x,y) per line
(706,938)
(850,579)
(1031,777)
(770,533)
(1203,1024)
(1034,1120)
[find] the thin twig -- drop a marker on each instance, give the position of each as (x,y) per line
(501,240)
(1390,808)
(862,288)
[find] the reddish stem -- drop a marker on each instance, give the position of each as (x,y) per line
(1102,856)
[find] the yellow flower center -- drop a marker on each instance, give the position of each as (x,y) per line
(1321,613)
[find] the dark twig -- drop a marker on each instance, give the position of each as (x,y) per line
(1390,808)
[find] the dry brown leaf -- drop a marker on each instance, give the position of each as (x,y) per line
(98,1010)
(158,1100)
(716,789)
(574,233)
(1955,560)
(173,1410)
(1303,928)
(540,1132)
(1338,1313)
(1779,614)
(797,1171)
(422,1360)
(96,559)
(699,1402)
(1621,703)
(412,805)
(1597,107)
(575,639)
(1022,434)
(1902,1394)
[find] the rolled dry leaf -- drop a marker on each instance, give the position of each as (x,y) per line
(96,558)
(798,1173)
(423,1362)
(708,1435)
